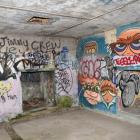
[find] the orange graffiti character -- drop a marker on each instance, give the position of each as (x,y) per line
(108,91)
(128,43)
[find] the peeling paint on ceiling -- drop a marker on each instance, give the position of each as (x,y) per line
(73,18)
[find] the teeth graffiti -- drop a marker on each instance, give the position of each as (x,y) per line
(91,47)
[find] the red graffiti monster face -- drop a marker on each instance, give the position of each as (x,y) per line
(128,43)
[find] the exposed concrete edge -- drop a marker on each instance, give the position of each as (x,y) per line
(39,113)
(46,111)
(122,116)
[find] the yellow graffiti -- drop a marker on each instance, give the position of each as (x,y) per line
(5,87)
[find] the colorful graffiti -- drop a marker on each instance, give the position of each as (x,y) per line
(129,84)
(97,41)
(128,43)
(91,89)
(126,58)
(96,67)
(108,92)
(95,76)
(99,93)
(90,68)
(31,56)
(91,47)
(127,48)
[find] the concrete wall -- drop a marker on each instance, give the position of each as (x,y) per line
(34,54)
(116,76)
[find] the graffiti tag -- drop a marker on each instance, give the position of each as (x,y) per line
(63,78)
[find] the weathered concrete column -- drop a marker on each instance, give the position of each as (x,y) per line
(43,77)
(51,87)
(48,87)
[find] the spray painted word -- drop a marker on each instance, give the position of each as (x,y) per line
(9,45)
(90,68)
(127,60)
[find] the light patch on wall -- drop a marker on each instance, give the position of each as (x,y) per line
(110,36)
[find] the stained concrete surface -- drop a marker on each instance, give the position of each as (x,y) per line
(66,18)
(77,125)
(4,135)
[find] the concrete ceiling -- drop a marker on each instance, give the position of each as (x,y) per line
(70,18)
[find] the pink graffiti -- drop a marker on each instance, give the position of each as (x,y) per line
(90,68)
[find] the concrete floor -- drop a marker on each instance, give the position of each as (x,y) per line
(76,125)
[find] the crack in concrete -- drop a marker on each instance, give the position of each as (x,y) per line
(11,132)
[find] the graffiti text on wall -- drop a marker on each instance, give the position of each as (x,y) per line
(95,75)
(63,78)
(38,57)
(90,68)
(96,68)
(34,45)
(32,54)
(127,60)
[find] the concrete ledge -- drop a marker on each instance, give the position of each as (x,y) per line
(123,116)
(39,113)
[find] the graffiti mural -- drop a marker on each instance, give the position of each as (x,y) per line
(95,75)
(108,92)
(33,56)
(39,54)
(126,58)
(127,48)
(129,84)
(127,43)
(66,75)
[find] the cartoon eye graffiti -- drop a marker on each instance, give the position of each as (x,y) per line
(120,47)
(136,44)
(96,88)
